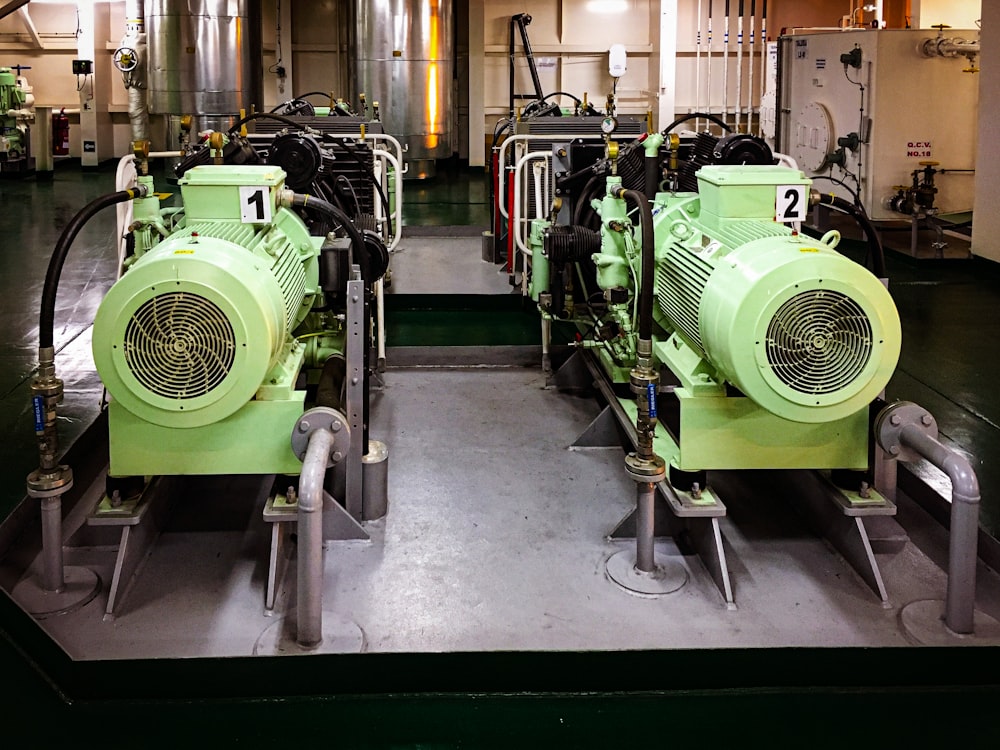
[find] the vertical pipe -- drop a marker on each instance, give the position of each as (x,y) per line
(697,67)
(309,579)
(708,84)
(763,65)
(750,57)
(962,553)
(739,67)
(725,67)
(645,493)
(963,540)
(52,551)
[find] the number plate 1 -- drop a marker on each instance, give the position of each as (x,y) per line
(255,205)
(791,203)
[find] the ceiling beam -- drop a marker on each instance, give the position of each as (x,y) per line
(10,7)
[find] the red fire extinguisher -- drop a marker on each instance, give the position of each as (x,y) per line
(60,133)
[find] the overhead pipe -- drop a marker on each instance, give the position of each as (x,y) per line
(906,431)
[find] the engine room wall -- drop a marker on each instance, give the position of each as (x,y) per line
(986,227)
(44,38)
(313,49)
(959,14)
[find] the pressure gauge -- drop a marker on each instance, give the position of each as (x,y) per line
(609,125)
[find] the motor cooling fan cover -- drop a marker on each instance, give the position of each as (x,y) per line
(185,338)
(802,330)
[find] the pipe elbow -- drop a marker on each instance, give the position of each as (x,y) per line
(964,483)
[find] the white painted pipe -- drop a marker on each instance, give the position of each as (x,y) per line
(708,103)
(750,57)
(697,66)
(739,67)
(725,67)
(518,222)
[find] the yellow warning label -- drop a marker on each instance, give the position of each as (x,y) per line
(808,249)
(183,252)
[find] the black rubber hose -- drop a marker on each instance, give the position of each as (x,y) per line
(646,276)
(46,318)
(693,116)
(874,242)
(652,176)
(360,255)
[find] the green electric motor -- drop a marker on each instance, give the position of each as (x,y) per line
(803,331)
(200,323)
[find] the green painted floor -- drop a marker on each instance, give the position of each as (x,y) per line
(949,364)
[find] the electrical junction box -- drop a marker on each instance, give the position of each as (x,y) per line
(83,67)
(617,60)
(912,109)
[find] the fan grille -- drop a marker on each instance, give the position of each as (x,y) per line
(818,342)
(179,345)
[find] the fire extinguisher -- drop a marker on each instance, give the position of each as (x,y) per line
(60,133)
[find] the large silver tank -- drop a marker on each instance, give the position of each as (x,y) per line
(403,58)
(199,58)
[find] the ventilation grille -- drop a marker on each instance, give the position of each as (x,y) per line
(818,342)
(179,345)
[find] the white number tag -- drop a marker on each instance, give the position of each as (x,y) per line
(255,208)
(791,203)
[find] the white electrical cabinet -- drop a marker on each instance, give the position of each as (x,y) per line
(872,126)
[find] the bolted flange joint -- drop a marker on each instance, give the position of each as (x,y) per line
(322,418)
(43,483)
(652,469)
(893,419)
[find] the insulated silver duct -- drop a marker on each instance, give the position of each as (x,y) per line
(199,59)
(403,58)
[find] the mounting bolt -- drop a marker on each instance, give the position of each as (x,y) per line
(864,492)
(354,381)
(894,450)
(338,457)
(304,426)
(696,490)
(926,420)
(335,425)
(895,420)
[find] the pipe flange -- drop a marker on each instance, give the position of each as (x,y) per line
(645,470)
(322,418)
(890,423)
(43,483)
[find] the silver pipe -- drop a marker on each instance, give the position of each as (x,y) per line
(52,551)
(310,540)
(135,37)
(964,533)
(645,495)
